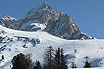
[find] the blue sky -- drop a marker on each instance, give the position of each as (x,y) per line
(87,14)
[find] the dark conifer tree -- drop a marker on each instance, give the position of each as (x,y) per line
(22,62)
(57,59)
(37,65)
(87,64)
(60,60)
(2,57)
(63,60)
(48,58)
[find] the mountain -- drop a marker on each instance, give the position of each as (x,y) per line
(32,26)
(42,13)
(13,42)
(63,27)
(45,18)
(10,22)
(48,25)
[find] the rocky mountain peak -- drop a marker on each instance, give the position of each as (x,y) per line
(44,17)
(63,27)
(42,13)
(44,4)
(44,7)
(10,22)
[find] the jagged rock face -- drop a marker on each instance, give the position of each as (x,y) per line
(10,22)
(63,27)
(32,26)
(45,18)
(43,13)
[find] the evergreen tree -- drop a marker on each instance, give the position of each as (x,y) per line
(2,57)
(87,64)
(63,60)
(28,61)
(22,62)
(37,65)
(57,59)
(60,59)
(48,58)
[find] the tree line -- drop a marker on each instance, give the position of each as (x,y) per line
(53,59)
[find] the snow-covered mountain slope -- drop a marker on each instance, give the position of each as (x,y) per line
(42,14)
(13,42)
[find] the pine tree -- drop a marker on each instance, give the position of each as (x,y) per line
(37,65)
(87,64)
(48,58)
(59,60)
(63,60)
(2,57)
(22,61)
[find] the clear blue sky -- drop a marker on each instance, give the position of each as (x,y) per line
(87,14)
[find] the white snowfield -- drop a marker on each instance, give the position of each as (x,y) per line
(35,24)
(15,42)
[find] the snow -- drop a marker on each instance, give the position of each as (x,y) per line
(36,24)
(94,49)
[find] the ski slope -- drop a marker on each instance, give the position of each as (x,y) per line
(23,42)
